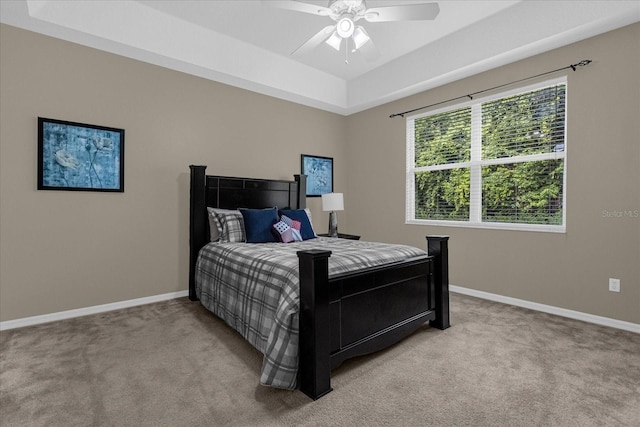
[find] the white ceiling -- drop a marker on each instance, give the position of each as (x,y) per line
(248,43)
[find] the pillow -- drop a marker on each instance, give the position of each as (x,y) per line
(306,229)
(229,225)
(296,226)
(310,220)
(284,231)
(214,232)
(258,223)
(288,230)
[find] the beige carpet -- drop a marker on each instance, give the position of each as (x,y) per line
(175,364)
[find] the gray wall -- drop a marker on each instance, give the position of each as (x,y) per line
(66,250)
(603,174)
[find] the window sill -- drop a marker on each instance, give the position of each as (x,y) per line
(492,225)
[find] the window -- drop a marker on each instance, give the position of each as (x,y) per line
(495,162)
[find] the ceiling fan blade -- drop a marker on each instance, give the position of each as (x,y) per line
(408,12)
(298,6)
(315,40)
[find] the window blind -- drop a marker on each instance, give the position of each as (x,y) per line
(498,160)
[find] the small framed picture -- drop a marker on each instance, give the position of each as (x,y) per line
(77,156)
(319,172)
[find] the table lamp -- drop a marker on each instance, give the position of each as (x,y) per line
(333,202)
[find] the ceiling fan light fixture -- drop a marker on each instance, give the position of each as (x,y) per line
(334,40)
(345,28)
(360,37)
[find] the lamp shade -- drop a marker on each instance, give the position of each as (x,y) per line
(334,41)
(332,202)
(360,37)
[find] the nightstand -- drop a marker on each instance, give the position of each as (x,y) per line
(343,236)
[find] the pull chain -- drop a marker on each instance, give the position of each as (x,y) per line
(346,51)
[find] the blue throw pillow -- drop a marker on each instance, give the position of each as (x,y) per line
(300,215)
(258,224)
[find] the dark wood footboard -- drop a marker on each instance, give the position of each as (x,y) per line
(365,311)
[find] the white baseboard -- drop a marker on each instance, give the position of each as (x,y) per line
(52,317)
(585,317)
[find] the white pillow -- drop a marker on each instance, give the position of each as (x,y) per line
(310,222)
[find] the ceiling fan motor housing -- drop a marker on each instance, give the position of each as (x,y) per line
(354,9)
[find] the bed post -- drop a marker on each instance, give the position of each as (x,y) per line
(197,223)
(301,196)
(315,331)
(438,247)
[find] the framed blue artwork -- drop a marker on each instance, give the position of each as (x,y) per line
(319,172)
(77,156)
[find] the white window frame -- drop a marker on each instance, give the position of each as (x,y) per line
(476,163)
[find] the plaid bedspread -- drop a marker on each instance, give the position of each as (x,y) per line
(255,289)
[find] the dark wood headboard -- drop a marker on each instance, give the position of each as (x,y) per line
(227,192)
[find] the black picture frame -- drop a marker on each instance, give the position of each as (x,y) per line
(79,157)
(319,172)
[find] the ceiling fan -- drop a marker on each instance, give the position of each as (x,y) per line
(346,13)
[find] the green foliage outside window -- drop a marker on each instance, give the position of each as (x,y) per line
(443,195)
(521,161)
(523,193)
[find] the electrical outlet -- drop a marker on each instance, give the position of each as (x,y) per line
(614,285)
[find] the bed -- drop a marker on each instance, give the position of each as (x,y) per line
(340,311)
